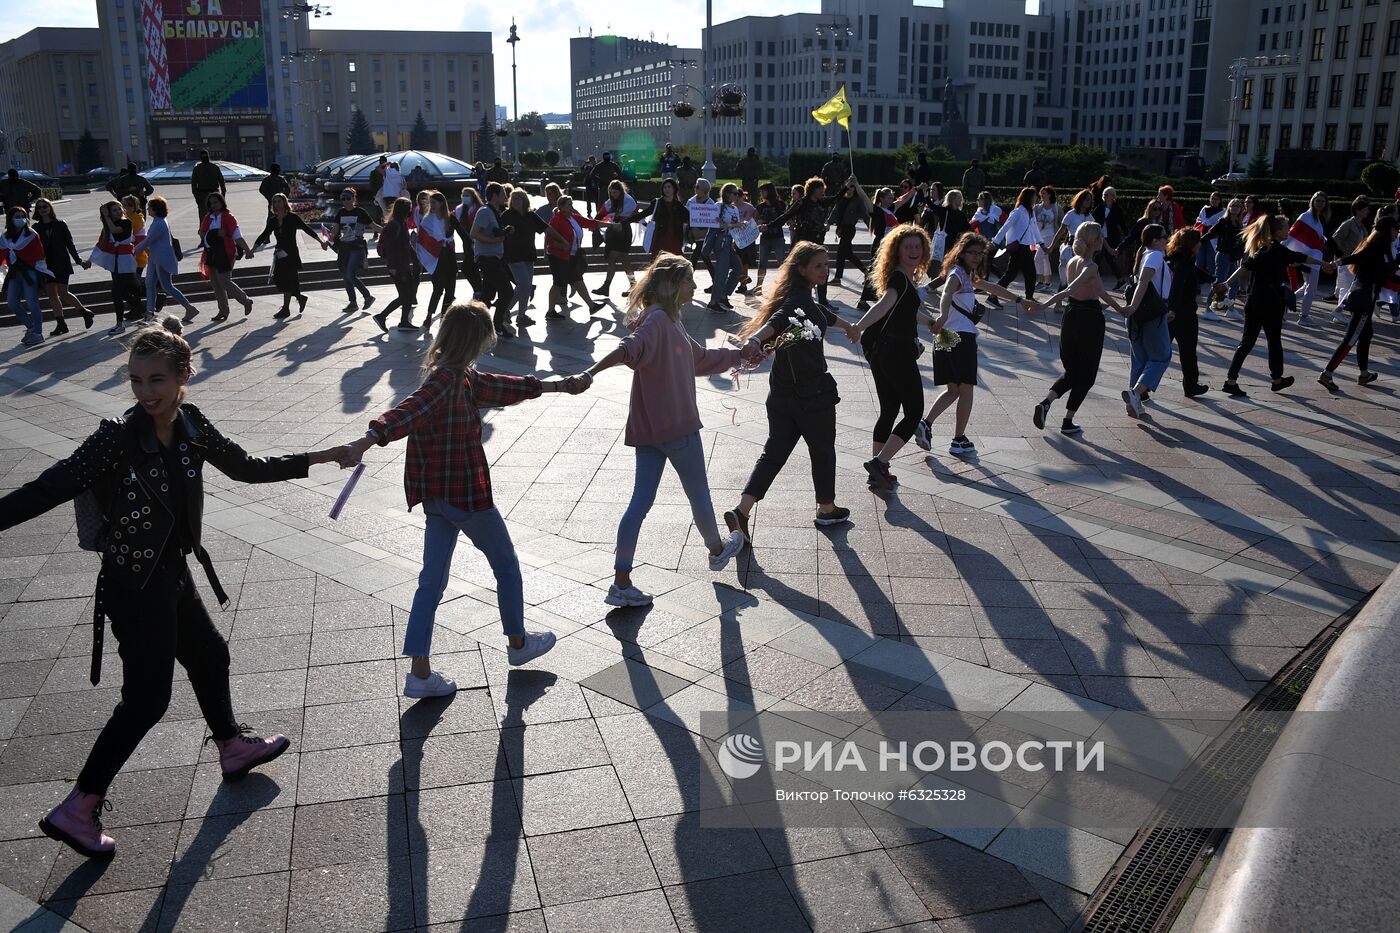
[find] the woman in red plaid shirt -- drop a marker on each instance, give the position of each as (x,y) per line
(446,470)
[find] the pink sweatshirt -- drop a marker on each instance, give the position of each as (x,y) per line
(665,361)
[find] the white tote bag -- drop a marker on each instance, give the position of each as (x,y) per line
(940,243)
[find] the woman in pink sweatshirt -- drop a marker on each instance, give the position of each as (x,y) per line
(663,422)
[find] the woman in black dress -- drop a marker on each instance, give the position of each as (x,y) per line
(283,225)
(61,255)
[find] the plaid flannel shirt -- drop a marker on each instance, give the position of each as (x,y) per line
(443,426)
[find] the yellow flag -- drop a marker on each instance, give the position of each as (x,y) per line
(835,109)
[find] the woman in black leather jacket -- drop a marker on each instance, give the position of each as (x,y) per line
(144,515)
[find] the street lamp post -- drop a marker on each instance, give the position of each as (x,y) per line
(514,93)
(707,113)
(1239,69)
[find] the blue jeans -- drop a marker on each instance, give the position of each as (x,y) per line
(22,291)
(159,278)
(771,246)
(487,531)
(1151,352)
(524,275)
(728,269)
(351,258)
(687,455)
(1224,267)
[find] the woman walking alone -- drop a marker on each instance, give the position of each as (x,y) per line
(282,228)
(770,242)
(955,354)
(61,254)
(802,394)
(223,243)
(1267,259)
(447,472)
(1372,264)
(115,252)
(888,335)
(1081,329)
(162,264)
(663,420)
(146,471)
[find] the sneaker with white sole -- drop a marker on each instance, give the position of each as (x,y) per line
(836,516)
(1338,318)
(1133,401)
(626,596)
(536,644)
(434,685)
(922,435)
(732,545)
(962,447)
(1209,315)
(1038,416)
(1233,315)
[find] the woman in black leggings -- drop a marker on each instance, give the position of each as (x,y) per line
(888,335)
(1081,329)
(1374,265)
(1268,260)
(850,207)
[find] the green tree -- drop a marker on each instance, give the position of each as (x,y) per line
(88,155)
(539,132)
(485,149)
(562,139)
(359,141)
(1381,179)
(1258,165)
(420,137)
(551,158)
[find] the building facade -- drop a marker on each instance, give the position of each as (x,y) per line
(896,61)
(1148,73)
(249,80)
(1317,75)
(622,90)
(53,87)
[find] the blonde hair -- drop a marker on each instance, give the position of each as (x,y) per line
(1259,235)
(887,262)
(788,277)
(1087,239)
(660,285)
(519,195)
(464,333)
(953,199)
(162,339)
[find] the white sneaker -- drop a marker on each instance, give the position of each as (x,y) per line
(1338,319)
(1209,315)
(434,685)
(1233,315)
(536,644)
(1134,403)
(733,545)
(626,596)
(921,435)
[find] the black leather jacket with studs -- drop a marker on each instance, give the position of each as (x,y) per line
(121,462)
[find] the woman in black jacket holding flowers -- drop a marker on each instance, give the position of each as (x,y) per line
(145,473)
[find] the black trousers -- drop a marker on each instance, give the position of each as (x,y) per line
(470,271)
(406,284)
(1020,260)
(444,280)
(126,290)
(1185,329)
(1270,321)
(1081,349)
(791,419)
(497,287)
(846,252)
(898,386)
(155,627)
(1358,335)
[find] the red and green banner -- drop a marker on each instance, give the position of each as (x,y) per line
(215,54)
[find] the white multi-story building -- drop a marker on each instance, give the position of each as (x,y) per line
(895,59)
(1318,75)
(1148,73)
(622,90)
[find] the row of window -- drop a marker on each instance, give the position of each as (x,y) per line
(1380,136)
(1341,41)
(376,65)
(1336,86)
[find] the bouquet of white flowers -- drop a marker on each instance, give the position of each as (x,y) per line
(946,340)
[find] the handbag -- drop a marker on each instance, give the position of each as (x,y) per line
(1151,307)
(175,246)
(940,243)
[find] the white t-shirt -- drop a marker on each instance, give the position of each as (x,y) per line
(964,298)
(393,183)
(1073,221)
(1162,278)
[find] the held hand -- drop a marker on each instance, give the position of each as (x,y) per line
(751,350)
(1171,316)
(325,244)
(854,333)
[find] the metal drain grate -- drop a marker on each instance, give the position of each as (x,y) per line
(1146,888)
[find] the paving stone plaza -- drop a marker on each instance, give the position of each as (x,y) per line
(1169,566)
